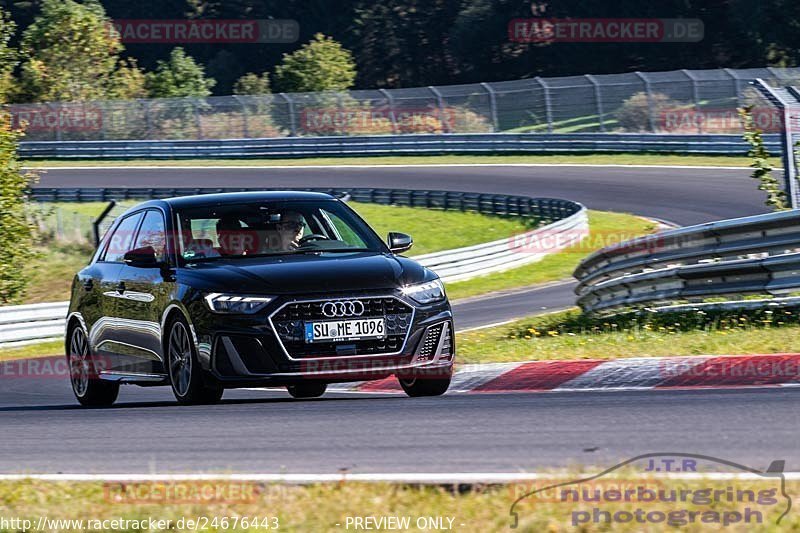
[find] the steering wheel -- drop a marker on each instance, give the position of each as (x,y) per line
(313,237)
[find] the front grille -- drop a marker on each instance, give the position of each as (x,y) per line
(289,323)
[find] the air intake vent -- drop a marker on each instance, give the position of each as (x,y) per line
(447,344)
(427,349)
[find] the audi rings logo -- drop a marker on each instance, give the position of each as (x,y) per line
(343,308)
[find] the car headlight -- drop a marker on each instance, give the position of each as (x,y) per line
(426,293)
(236,303)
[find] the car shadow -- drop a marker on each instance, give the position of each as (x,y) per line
(148,405)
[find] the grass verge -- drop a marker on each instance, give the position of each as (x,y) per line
(605,228)
(568,335)
(29,351)
(52,269)
(588,159)
(453,229)
(327,507)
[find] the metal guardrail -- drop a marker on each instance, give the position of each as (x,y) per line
(731,258)
(377,145)
(565,223)
(20,323)
(504,254)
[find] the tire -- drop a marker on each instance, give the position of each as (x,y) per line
(307,390)
(189,384)
(417,386)
(88,388)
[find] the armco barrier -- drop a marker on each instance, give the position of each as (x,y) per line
(32,322)
(504,254)
(731,258)
(564,223)
(379,145)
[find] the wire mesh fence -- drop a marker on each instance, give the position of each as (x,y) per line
(69,223)
(681,102)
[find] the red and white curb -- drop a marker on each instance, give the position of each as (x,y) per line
(641,373)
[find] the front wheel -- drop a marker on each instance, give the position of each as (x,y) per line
(417,386)
(185,374)
(87,386)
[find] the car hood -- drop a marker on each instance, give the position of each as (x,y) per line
(305,273)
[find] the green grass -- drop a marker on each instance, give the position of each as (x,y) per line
(52,270)
(605,228)
(325,507)
(553,337)
(593,159)
(42,349)
(91,209)
(435,230)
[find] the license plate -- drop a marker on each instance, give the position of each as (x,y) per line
(345,330)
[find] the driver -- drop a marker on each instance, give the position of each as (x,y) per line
(288,232)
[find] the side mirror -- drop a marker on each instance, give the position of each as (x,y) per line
(399,242)
(144,257)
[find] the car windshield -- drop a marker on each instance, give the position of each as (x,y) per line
(269,228)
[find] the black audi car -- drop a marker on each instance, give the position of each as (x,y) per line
(258,289)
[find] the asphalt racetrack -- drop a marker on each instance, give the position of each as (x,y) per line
(267,432)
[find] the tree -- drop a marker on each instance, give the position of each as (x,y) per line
(8,56)
(72,54)
(128,81)
(322,64)
(16,234)
(400,43)
(177,77)
(252,84)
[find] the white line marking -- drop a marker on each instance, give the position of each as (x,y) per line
(427,478)
(419,165)
(495,324)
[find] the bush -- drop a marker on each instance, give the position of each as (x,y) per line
(220,125)
(322,64)
(16,233)
(634,114)
(252,84)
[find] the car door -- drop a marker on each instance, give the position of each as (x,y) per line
(143,297)
(103,330)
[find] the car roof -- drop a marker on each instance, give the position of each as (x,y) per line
(239,197)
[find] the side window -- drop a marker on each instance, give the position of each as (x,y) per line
(122,239)
(345,231)
(152,233)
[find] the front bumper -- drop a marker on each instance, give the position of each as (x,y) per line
(242,350)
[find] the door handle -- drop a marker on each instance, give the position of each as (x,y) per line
(88,285)
(121,287)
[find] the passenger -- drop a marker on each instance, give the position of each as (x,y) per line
(231,236)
